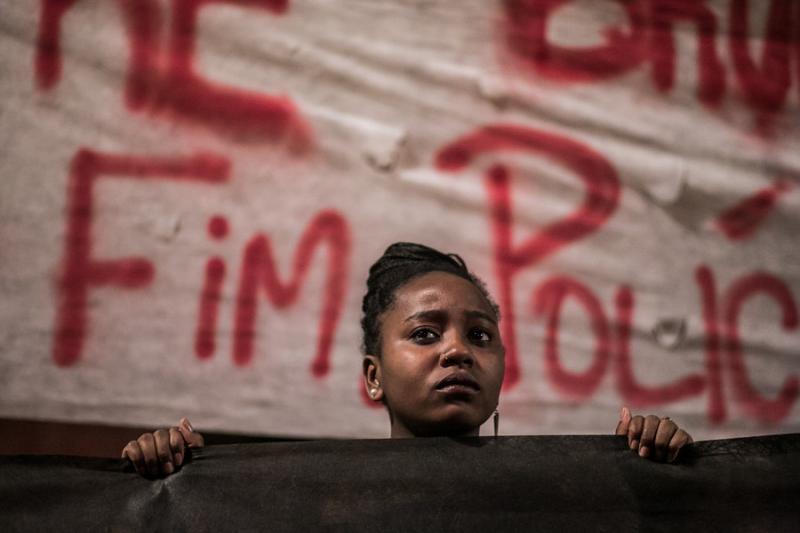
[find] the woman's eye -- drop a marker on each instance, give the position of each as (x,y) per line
(479,335)
(424,335)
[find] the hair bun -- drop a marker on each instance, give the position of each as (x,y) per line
(399,264)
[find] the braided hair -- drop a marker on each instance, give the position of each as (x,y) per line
(399,264)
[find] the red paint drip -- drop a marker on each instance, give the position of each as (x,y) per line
(602,195)
(259,271)
(80,270)
(743,219)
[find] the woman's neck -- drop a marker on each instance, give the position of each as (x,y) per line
(399,431)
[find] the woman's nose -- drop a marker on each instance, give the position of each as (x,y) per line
(457,353)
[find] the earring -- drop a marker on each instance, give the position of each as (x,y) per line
(496,422)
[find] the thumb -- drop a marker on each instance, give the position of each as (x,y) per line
(624,421)
(193,439)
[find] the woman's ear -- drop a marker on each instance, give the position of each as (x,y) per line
(372,377)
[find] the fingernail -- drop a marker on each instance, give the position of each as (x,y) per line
(179,459)
(168,468)
(634,444)
(188,425)
(644,451)
(622,413)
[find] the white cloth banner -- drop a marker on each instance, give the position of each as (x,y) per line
(194,190)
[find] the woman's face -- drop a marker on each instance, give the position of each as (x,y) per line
(442,359)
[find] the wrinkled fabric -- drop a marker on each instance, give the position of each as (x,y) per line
(565,483)
(172,247)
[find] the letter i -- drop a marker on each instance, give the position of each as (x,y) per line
(204,344)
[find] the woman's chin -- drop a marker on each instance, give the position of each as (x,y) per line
(448,420)
(460,420)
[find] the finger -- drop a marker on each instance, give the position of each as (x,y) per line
(624,421)
(678,441)
(133,453)
(635,432)
(147,443)
(648,435)
(193,439)
(176,444)
(666,429)
(164,452)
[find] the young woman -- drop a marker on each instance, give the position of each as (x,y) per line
(432,355)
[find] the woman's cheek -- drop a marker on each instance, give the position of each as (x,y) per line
(499,368)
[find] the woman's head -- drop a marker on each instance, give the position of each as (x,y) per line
(433,353)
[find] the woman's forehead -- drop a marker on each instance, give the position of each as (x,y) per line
(440,290)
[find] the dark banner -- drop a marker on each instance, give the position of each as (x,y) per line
(565,483)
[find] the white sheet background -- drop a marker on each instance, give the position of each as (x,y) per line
(383,86)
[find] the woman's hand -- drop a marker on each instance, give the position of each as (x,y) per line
(161,452)
(659,439)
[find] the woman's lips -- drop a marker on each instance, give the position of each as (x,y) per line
(456,389)
(460,383)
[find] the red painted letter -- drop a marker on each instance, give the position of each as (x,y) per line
(746,395)
(602,194)
(142,22)
(80,270)
(662,47)
(527,38)
(204,343)
(175,88)
(48,42)
(765,88)
(242,113)
(259,270)
(548,299)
